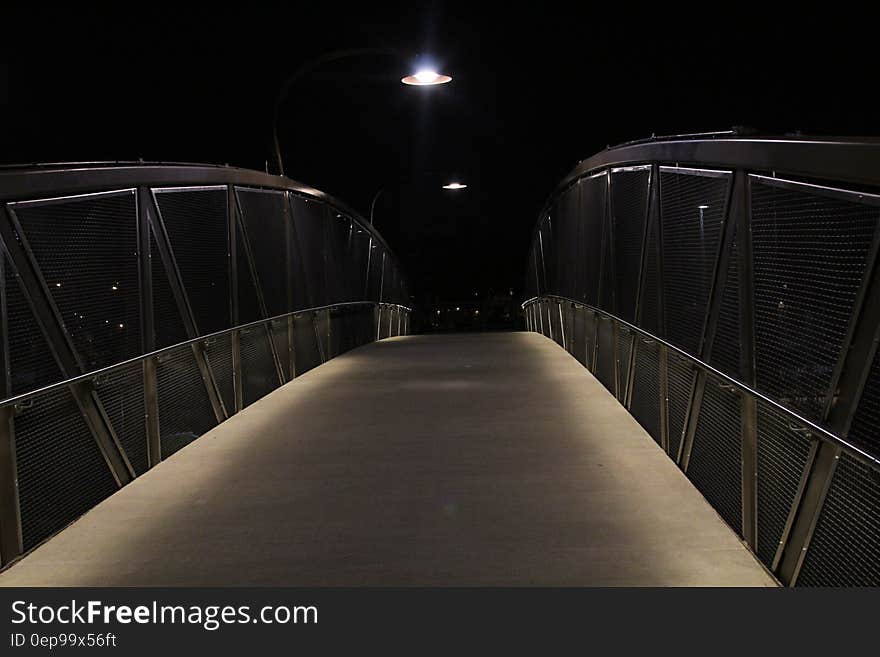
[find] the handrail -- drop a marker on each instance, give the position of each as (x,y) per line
(93,374)
(815,429)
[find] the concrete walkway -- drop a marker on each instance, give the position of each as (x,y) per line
(491,459)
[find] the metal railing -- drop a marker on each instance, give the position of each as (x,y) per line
(141,305)
(727,292)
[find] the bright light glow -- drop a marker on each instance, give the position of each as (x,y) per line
(426,78)
(702,207)
(454,185)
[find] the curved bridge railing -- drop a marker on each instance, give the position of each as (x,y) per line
(727,292)
(141,305)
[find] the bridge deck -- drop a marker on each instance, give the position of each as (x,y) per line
(491,459)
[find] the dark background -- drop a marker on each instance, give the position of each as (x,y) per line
(536,88)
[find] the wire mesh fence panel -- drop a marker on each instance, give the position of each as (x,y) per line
(547,242)
(565,212)
(338,267)
(248,302)
(540,265)
(258,374)
(629,203)
(31,363)
(305,344)
(680,378)
(645,400)
(624,351)
(590,338)
(726,344)
(218,349)
(309,250)
(715,465)
(279,331)
(865,429)
(360,248)
(387,279)
(61,471)
(578,334)
(374,287)
(810,256)
(167,317)
(568,325)
(845,546)
(264,216)
(649,303)
(592,219)
(559,326)
(383,322)
(121,392)
(783,451)
(185,411)
(607,274)
(86,249)
(605,356)
(692,212)
(196,221)
(336,334)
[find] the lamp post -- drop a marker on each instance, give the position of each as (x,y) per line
(421,78)
(450,186)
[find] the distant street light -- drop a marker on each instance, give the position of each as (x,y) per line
(451,186)
(421,78)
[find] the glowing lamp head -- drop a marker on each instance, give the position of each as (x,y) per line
(455,185)
(425,78)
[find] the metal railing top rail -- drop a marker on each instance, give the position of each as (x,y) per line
(839,159)
(820,432)
(17,399)
(65,179)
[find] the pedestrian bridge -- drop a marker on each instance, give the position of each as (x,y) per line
(209,377)
(474,459)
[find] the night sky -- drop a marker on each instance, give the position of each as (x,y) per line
(535,90)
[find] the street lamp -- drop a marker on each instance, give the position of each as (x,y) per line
(448,186)
(426,78)
(421,78)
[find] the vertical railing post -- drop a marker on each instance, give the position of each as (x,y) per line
(10,512)
(148,328)
(663,367)
(740,217)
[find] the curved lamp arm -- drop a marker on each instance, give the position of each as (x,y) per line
(373,204)
(304,70)
(399,179)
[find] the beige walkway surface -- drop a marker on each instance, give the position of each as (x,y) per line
(488,459)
